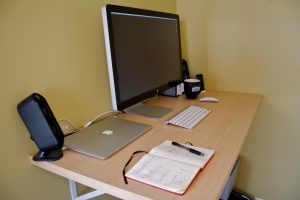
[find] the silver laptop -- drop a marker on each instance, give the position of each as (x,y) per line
(106,137)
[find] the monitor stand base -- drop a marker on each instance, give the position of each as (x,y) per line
(148,110)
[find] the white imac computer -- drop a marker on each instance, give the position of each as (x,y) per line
(143,56)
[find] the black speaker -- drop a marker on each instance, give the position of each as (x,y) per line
(200,77)
(185,69)
(43,128)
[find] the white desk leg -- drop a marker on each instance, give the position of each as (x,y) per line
(74,194)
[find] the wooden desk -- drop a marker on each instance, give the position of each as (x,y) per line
(223,130)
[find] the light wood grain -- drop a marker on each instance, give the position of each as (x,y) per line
(223,130)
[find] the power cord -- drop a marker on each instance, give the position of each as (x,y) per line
(68,127)
(98,116)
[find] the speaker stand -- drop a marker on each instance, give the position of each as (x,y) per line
(50,155)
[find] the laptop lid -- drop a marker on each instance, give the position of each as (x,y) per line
(106,137)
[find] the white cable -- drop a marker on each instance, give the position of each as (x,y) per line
(87,124)
(67,126)
(60,119)
(98,116)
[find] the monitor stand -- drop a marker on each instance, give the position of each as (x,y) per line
(148,110)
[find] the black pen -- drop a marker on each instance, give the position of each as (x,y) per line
(188,149)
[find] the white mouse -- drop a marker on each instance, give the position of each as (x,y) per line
(209,99)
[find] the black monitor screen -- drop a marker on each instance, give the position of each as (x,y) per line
(144,48)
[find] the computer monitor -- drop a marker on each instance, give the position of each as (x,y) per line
(143,56)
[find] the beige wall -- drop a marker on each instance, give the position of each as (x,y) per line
(56,48)
(254,46)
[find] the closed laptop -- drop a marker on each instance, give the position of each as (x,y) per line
(106,137)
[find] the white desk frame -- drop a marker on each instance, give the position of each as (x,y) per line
(89,195)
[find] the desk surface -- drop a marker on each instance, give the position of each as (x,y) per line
(223,130)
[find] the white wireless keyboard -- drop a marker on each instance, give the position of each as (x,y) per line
(189,117)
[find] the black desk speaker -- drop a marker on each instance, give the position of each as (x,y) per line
(43,128)
(200,77)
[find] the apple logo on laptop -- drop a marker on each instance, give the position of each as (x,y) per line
(107,132)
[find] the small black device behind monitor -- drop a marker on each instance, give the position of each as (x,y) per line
(185,69)
(143,55)
(200,77)
(42,126)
